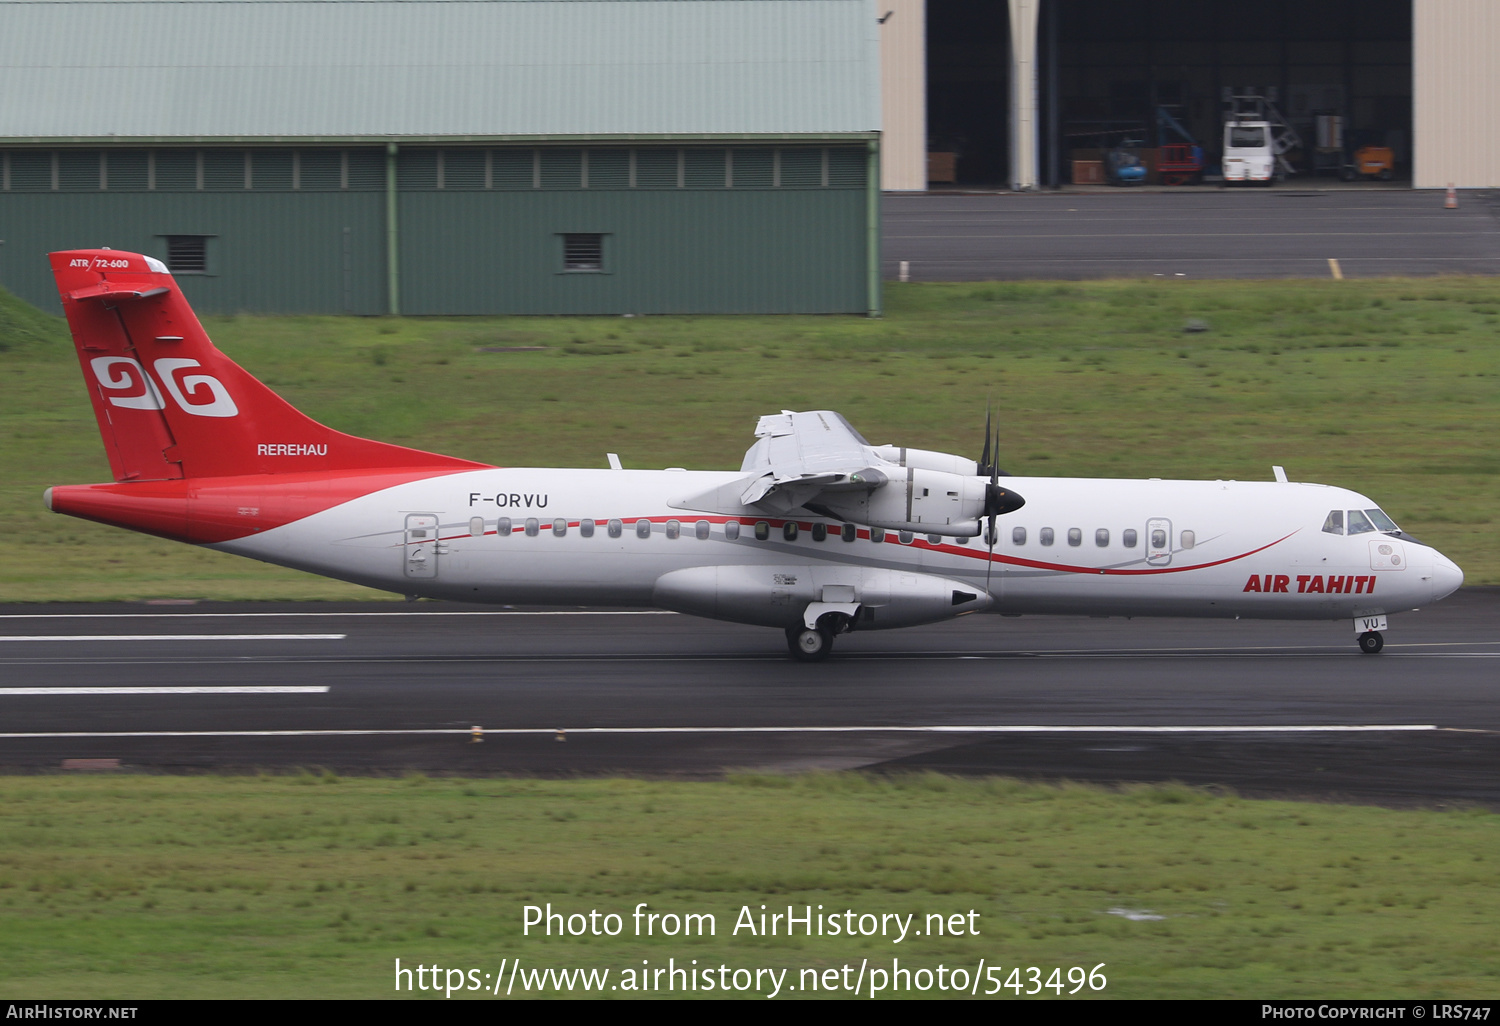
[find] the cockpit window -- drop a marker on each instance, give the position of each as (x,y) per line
(1335,522)
(1381,521)
(1359,523)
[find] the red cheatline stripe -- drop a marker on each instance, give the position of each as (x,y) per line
(918,542)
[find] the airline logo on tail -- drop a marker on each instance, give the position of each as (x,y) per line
(121,373)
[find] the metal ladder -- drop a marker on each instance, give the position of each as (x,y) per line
(1256,106)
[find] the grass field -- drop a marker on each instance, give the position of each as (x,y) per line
(311,886)
(1388,386)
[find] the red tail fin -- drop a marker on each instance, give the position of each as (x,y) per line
(170,405)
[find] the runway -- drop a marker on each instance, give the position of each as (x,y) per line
(1203,232)
(1271,709)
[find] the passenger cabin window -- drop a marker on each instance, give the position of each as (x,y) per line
(1189,539)
(1359,523)
(1018,536)
(820,532)
(1101,537)
(934,539)
(476,527)
(962,539)
(877,534)
(848,532)
(762,530)
(1075,536)
(643,528)
(533,525)
(1158,539)
(1045,536)
(1335,522)
(789,530)
(702,529)
(616,528)
(905,536)
(732,530)
(674,530)
(586,528)
(1128,538)
(502,527)
(559,527)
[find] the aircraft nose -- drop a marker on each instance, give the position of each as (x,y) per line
(1446,576)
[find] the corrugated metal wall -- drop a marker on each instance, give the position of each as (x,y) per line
(268,252)
(694,229)
(903,95)
(1456,85)
(688,251)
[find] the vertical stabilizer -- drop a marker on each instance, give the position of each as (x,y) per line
(170,405)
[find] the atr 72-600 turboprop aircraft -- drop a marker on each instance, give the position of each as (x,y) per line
(818,533)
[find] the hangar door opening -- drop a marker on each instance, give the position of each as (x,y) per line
(1156,72)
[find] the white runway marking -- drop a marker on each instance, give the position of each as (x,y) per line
(1360,728)
(393,612)
(172,637)
(188,689)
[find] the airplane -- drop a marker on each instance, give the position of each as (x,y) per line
(818,532)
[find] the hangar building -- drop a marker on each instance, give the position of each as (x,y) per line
(450,156)
(1002,93)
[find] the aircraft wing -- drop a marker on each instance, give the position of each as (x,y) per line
(797,456)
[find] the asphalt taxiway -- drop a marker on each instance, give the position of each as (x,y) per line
(1289,231)
(1288,709)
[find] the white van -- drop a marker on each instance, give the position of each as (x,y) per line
(1248,155)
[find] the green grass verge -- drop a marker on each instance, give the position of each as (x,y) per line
(311,886)
(1389,386)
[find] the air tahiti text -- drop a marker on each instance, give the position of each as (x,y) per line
(291,450)
(1313,584)
(513,500)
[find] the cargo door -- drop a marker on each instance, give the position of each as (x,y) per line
(421,546)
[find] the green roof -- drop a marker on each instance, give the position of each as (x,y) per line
(301,69)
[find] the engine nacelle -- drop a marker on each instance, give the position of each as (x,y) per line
(777,596)
(926,459)
(925,502)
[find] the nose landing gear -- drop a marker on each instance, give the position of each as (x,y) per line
(1371,642)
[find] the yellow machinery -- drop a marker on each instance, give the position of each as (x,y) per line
(1372,162)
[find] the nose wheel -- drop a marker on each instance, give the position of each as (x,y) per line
(809,644)
(1371,642)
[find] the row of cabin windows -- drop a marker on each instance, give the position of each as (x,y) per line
(1128,537)
(790,531)
(702,530)
(469,169)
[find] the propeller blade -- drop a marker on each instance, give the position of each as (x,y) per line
(984,460)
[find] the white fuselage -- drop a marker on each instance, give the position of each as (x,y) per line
(1118,547)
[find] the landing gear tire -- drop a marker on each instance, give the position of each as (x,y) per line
(809,644)
(1371,642)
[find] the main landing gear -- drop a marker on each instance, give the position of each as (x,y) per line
(809,644)
(1371,642)
(812,644)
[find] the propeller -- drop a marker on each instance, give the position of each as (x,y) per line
(997,501)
